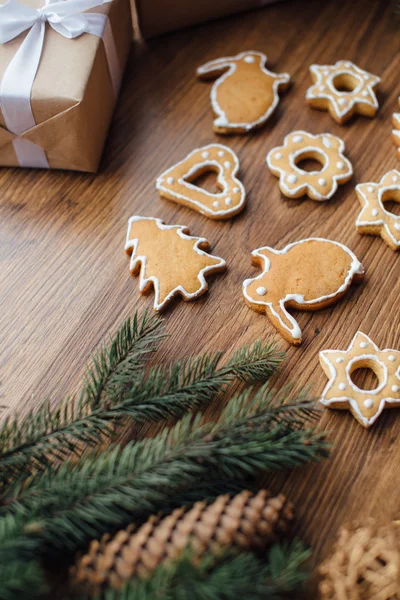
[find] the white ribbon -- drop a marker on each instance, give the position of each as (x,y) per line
(66,18)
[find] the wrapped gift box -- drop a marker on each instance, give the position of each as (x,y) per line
(159,16)
(62,121)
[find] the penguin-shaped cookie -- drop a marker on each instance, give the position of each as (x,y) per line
(245,93)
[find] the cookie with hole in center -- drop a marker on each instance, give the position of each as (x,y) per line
(306,275)
(343,89)
(342,393)
(177,182)
(375,219)
(245,94)
(325,148)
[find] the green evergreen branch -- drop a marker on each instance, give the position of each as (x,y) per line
(228,577)
(22,581)
(48,434)
(66,509)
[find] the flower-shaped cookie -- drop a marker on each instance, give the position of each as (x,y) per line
(325,148)
(343,89)
(396,130)
(374,219)
(341,392)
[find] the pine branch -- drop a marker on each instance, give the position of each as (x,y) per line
(228,577)
(48,434)
(65,510)
(21,581)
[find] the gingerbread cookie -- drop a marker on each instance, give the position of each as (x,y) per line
(396,130)
(169,259)
(343,89)
(325,148)
(342,393)
(245,93)
(374,219)
(176,183)
(306,275)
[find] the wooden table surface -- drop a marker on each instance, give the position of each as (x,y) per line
(65,280)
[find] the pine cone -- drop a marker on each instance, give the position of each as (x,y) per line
(244,521)
(364,565)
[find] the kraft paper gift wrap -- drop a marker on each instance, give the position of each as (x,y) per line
(75,88)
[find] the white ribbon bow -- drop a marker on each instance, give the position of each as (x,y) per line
(65,18)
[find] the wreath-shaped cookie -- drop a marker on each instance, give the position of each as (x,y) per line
(343,89)
(327,149)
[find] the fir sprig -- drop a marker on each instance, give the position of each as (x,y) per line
(66,509)
(227,577)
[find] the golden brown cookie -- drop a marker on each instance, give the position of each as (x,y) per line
(341,392)
(306,275)
(245,93)
(176,183)
(169,260)
(343,89)
(396,131)
(325,148)
(374,219)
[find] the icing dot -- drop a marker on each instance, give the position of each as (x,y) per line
(221,153)
(395,388)
(397,226)
(326,142)
(395,178)
(278,155)
(227,164)
(228,201)
(366,77)
(321,181)
(322,88)
(297,139)
(249,59)
(370,189)
(325,72)
(340,359)
(205,154)
(342,101)
(391,358)
(364,93)
(375,212)
(236,190)
(292,179)
(368,403)
(170,180)
(340,165)
(261,291)
(342,386)
(216,204)
(363,345)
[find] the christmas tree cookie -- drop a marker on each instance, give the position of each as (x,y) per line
(169,260)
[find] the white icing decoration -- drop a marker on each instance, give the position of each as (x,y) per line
(322,181)
(370,189)
(216,204)
(292,179)
(298,138)
(261,291)
(363,345)
(375,212)
(322,88)
(326,142)
(170,180)
(340,165)
(144,281)
(227,164)
(205,154)
(395,388)
(391,358)
(249,59)
(395,178)
(397,226)
(368,403)
(230,63)
(221,153)
(340,359)
(295,331)
(342,101)
(342,386)
(278,156)
(228,201)
(364,93)
(236,190)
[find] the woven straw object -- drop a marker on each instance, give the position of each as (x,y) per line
(364,565)
(245,521)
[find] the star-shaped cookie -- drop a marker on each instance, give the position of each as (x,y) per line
(343,89)
(342,393)
(374,219)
